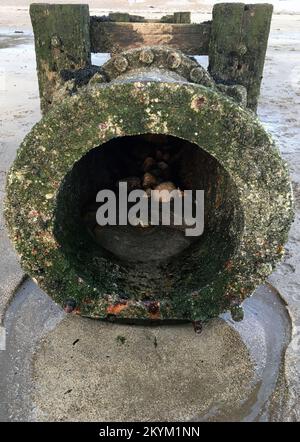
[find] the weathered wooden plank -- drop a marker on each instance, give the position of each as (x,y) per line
(62,41)
(239,38)
(192,39)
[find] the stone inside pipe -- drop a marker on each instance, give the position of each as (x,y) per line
(142,102)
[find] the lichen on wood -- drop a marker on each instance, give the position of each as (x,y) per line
(238,45)
(62,41)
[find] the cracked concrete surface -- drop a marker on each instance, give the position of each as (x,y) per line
(280,112)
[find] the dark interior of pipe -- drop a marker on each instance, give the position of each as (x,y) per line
(147,260)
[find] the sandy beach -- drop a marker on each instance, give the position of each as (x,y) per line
(279,110)
(15,13)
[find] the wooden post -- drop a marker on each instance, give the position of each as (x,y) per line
(182,17)
(238,45)
(62,41)
(125,17)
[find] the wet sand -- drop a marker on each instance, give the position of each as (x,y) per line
(84,372)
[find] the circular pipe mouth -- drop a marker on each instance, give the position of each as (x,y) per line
(69,156)
(155,259)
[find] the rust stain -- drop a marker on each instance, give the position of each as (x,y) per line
(116,309)
(154,315)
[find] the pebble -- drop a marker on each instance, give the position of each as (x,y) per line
(155,167)
(149,180)
(166,185)
(162,165)
(169,187)
(148,164)
(165,171)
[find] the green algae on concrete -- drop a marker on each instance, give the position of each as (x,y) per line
(250,196)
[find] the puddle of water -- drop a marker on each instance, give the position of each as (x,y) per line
(30,316)
(11,39)
(266,331)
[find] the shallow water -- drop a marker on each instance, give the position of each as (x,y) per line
(10,39)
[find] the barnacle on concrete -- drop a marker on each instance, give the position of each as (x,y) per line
(225,150)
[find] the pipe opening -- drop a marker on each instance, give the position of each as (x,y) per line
(147,260)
